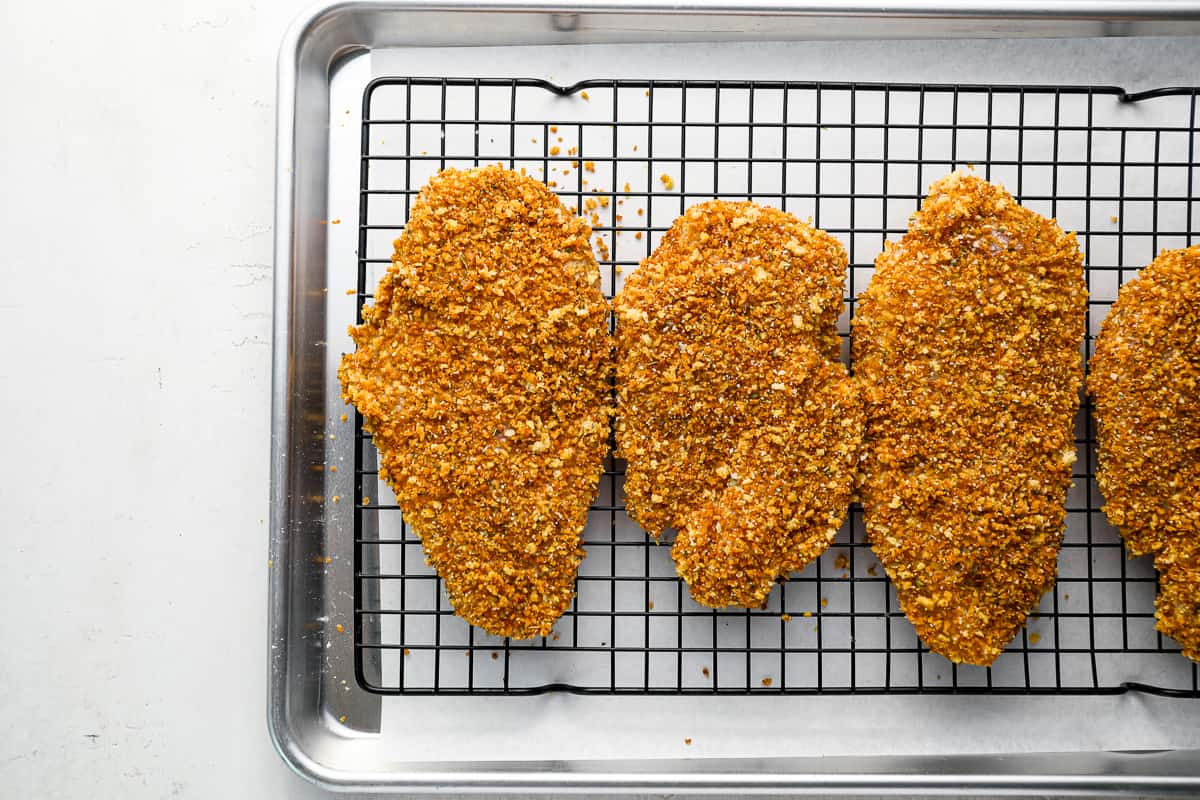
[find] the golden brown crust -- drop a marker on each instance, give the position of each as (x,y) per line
(1145,382)
(967,341)
(1177,607)
(740,427)
(482,373)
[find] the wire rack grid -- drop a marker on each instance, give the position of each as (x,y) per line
(1119,169)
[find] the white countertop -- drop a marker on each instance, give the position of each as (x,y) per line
(135,298)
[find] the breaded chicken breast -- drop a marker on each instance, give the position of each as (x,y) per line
(1145,382)
(482,373)
(968,343)
(740,426)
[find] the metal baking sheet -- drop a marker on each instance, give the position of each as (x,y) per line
(768,744)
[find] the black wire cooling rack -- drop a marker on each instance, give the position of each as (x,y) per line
(631,155)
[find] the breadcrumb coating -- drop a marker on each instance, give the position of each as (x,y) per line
(968,343)
(1145,382)
(740,427)
(482,372)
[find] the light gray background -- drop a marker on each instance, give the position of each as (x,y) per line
(135,292)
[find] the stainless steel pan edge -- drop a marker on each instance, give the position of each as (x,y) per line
(312,50)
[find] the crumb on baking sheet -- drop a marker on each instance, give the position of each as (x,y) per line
(1035,637)
(766,681)
(687,741)
(704,671)
(786,617)
(584,96)
(341,628)
(667,181)
(841,561)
